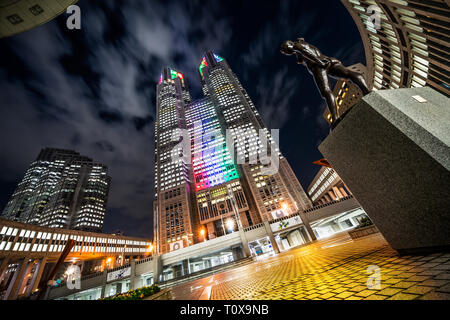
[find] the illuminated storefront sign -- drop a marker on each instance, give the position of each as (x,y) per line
(278,214)
(119,274)
(176,245)
(286,223)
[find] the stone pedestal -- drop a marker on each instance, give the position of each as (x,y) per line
(392,150)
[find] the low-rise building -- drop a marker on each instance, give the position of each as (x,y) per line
(326,187)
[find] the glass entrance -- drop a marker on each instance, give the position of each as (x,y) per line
(261,247)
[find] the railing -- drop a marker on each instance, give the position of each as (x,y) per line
(118,268)
(203,272)
(144,260)
(100,273)
(256,226)
(201,245)
(284,218)
(320,206)
(23,239)
(92,275)
(83,278)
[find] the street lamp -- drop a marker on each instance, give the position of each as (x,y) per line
(150,249)
(230,225)
(108,263)
(284,208)
(223,225)
(202,233)
(236,215)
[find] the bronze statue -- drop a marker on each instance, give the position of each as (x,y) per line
(322,67)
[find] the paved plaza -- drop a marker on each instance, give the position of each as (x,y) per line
(333,269)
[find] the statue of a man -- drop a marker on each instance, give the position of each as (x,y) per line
(321,67)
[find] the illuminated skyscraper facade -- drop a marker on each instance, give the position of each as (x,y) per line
(61,189)
(235,174)
(347,93)
(174,220)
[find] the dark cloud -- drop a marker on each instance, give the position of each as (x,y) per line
(110,116)
(93,90)
(141,123)
(104,146)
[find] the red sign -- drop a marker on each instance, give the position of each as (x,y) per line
(323,162)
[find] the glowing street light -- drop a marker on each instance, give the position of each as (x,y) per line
(149,249)
(107,263)
(230,224)
(202,233)
(70,270)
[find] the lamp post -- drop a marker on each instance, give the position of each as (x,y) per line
(202,233)
(233,204)
(123,255)
(238,220)
(284,206)
(150,249)
(230,224)
(108,263)
(223,225)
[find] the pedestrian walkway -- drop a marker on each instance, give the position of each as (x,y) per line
(334,269)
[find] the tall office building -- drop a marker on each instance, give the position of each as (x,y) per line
(346,93)
(226,181)
(61,189)
(406,42)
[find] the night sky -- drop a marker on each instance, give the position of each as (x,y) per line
(93,90)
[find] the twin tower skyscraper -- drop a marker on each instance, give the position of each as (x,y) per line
(217,166)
